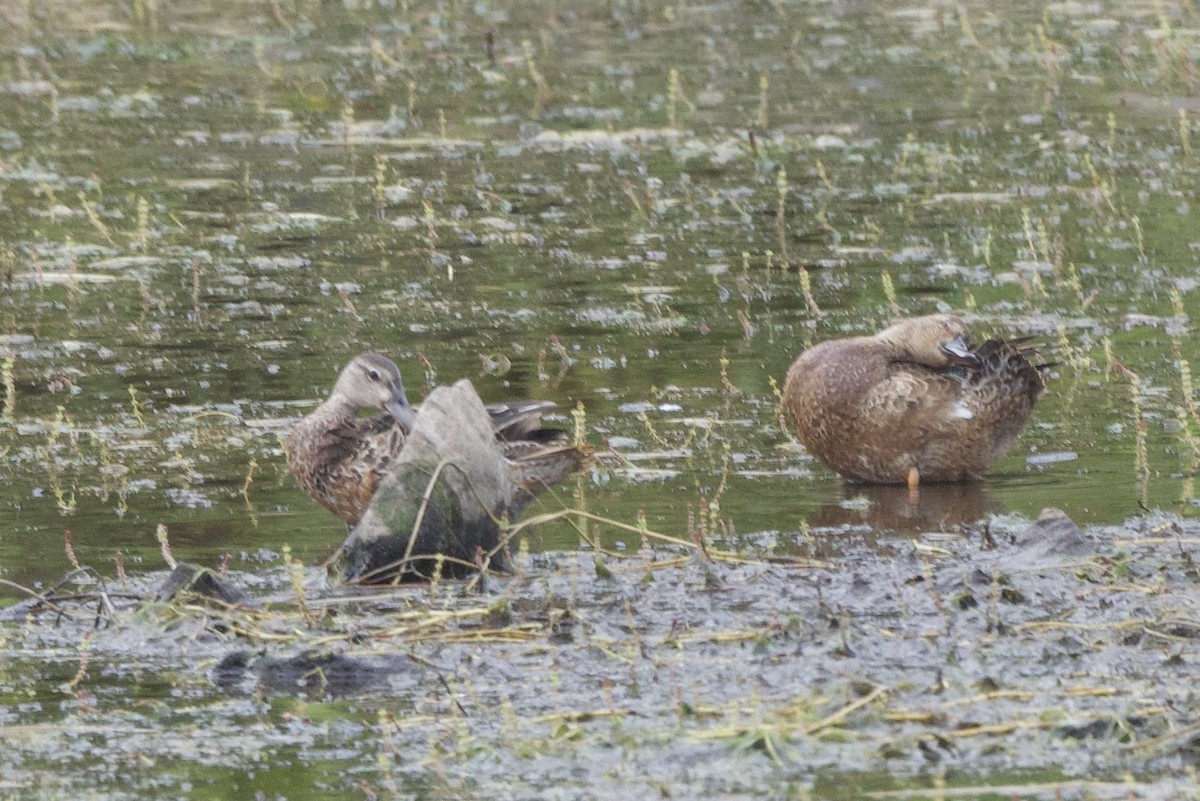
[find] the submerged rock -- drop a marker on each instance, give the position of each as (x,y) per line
(443,501)
(1052,535)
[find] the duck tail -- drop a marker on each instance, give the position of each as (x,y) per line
(534,467)
(1030,348)
(1012,362)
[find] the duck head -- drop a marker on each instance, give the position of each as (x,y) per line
(372,380)
(937,340)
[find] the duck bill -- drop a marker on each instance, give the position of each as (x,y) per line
(959,352)
(399,407)
(406,416)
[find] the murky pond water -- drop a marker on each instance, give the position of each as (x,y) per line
(645,208)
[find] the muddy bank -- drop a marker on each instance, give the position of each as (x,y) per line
(1010,653)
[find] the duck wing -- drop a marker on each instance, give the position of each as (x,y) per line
(522,420)
(535,458)
(1001,391)
(913,397)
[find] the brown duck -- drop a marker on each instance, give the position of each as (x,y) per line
(913,403)
(340,458)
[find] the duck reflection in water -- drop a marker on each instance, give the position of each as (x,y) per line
(891,508)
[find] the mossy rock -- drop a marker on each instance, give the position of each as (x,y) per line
(443,501)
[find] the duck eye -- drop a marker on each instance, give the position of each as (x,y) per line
(373,375)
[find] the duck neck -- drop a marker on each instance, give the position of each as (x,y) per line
(901,352)
(335,407)
(894,350)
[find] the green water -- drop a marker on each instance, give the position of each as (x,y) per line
(183,208)
(206,209)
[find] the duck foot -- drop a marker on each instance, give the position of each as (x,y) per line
(914,484)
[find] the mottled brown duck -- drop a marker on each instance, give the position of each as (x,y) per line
(913,403)
(340,457)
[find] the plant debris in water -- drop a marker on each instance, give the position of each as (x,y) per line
(1018,649)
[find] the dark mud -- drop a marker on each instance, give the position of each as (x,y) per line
(1059,663)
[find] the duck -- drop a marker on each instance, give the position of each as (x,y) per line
(340,456)
(915,402)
